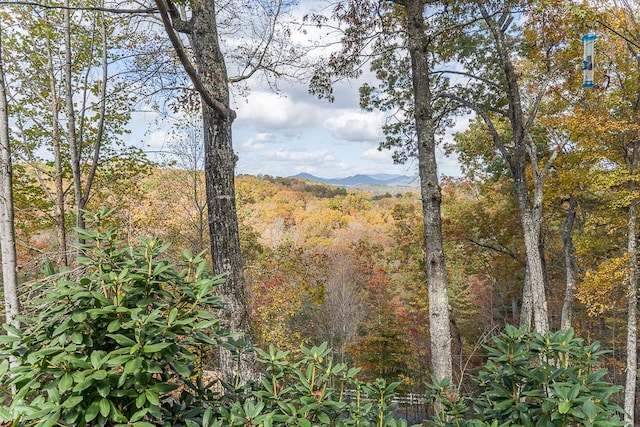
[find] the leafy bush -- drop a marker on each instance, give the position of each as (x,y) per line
(115,346)
(534,380)
(124,344)
(312,392)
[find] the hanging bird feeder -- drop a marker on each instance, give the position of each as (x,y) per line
(589,42)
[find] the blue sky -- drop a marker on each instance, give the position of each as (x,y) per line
(292,132)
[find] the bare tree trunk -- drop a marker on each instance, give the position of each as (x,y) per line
(57,159)
(71,116)
(526,312)
(531,228)
(225,243)
(220,161)
(97,143)
(570,265)
(632,314)
(530,209)
(211,81)
(7,225)
(439,322)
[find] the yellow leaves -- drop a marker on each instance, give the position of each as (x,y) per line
(601,287)
(272,314)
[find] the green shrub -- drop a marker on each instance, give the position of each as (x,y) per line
(113,346)
(123,344)
(312,391)
(534,380)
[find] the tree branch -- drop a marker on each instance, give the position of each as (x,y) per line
(500,250)
(536,104)
(472,76)
(88,8)
(263,53)
(218,106)
(497,139)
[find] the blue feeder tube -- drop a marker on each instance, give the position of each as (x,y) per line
(589,42)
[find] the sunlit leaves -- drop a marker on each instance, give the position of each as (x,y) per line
(604,286)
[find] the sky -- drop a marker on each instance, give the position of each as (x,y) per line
(287,135)
(292,131)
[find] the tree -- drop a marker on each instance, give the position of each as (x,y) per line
(370,24)
(418,44)
(210,79)
(70,103)
(620,127)
(508,95)
(211,82)
(7,225)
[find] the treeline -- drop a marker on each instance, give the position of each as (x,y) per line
(349,269)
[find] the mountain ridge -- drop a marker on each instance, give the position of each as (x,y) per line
(363,179)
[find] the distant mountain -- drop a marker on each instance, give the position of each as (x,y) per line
(362,180)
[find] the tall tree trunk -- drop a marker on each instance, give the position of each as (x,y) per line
(570,265)
(220,161)
(526,312)
(7,224)
(531,229)
(439,326)
(97,144)
(632,314)
(530,211)
(57,159)
(71,117)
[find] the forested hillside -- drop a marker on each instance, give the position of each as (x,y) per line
(345,266)
(148,281)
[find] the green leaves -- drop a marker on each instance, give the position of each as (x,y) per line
(533,380)
(311,390)
(98,350)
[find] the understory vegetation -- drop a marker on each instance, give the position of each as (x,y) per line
(127,339)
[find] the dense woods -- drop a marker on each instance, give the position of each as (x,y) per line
(135,278)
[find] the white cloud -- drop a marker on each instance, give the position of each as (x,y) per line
(300,157)
(269,111)
(355,126)
(156,140)
(375,155)
(258,141)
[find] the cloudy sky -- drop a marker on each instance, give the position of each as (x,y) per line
(292,131)
(287,134)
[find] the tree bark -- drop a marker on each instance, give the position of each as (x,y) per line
(220,161)
(570,265)
(57,159)
(7,224)
(632,311)
(97,144)
(526,312)
(71,117)
(439,322)
(530,209)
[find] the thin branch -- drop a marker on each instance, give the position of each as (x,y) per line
(218,106)
(259,65)
(500,250)
(617,33)
(482,113)
(86,8)
(536,104)
(472,76)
